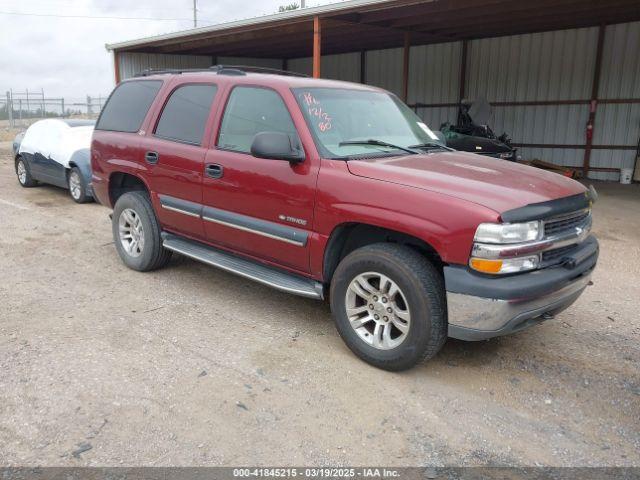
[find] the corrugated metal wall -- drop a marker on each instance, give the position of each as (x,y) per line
(535,67)
(618,124)
(383,68)
(434,77)
(344,66)
(132,63)
(540,66)
(253,62)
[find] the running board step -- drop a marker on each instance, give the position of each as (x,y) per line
(273,277)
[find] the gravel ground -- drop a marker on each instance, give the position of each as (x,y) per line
(101,365)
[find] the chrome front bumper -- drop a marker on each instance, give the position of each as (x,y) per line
(479,307)
(478,318)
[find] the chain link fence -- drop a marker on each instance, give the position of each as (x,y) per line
(19,109)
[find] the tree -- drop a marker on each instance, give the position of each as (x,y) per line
(286,8)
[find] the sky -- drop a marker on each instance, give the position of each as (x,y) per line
(67,57)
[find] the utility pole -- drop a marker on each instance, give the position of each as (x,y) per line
(195,14)
(302,4)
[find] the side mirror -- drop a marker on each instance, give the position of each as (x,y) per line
(277,146)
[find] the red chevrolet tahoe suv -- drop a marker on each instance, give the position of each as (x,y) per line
(337,190)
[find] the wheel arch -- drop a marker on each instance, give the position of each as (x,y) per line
(123,182)
(81,159)
(25,160)
(21,156)
(347,237)
(17,158)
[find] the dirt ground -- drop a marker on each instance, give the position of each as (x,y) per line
(101,365)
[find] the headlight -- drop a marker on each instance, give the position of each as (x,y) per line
(505,265)
(491,255)
(506,155)
(508,232)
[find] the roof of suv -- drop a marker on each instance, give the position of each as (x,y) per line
(270,79)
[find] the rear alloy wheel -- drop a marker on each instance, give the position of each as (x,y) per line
(388,302)
(136,233)
(24,177)
(77,186)
(131,232)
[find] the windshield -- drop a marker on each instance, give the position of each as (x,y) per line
(341,118)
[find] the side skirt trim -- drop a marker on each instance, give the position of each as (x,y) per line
(270,276)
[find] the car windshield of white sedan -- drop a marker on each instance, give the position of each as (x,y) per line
(358,123)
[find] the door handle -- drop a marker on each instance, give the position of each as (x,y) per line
(152,157)
(213,170)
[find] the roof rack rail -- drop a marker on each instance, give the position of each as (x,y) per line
(250,69)
(220,70)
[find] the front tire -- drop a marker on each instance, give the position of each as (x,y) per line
(388,303)
(24,176)
(77,186)
(136,233)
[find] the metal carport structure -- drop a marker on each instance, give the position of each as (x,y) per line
(563,75)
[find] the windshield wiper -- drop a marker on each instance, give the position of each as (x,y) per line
(432,145)
(378,143)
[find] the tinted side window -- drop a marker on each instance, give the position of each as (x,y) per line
(249,111)
(185,115)
(128,105)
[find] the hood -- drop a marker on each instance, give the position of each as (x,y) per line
(495,184)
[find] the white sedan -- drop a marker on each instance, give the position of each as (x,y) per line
(56,152)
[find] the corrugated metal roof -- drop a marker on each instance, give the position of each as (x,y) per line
(357,25)
(289,15)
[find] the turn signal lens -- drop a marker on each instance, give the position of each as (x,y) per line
(486,266)
(506,265)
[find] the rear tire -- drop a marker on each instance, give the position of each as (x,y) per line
(396,301)
(77,186)
(24,176)
(136,233)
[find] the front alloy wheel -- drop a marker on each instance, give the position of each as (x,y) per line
(22,172)
(388,302)
(377,310)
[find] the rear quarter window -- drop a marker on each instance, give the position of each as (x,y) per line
(128,105)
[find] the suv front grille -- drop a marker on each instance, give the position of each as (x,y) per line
(568,222)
